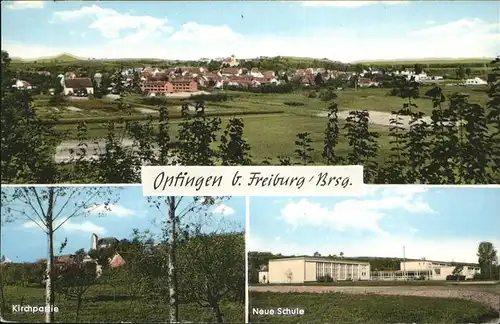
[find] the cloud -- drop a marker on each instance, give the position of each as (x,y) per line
(356,214)
(456,249)
(85,227)
(19,5)
(460,27)
(111,24)
(430,22)
(116,210)
(349,4)
(224,210)
(93,11)
(192,31)
(150,37)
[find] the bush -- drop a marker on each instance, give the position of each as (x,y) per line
(455,278)
(326,278)
(293,103)
(154,101)
(312,94)
(214,97)
(144,117)
(327,95)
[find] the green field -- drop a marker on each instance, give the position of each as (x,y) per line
(101,304)
(345,308)
(270,124)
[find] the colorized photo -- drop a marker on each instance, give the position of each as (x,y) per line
(111,255)
(94,89)
(394,255)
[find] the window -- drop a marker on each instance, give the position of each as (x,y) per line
(438,271)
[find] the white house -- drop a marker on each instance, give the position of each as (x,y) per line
(22,85)
(475,81)
(256,73)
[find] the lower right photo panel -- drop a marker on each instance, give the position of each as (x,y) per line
(397,254)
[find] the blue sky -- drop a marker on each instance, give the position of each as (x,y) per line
(438,223)
(23,241)
(340,30)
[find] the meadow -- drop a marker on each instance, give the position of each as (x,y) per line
(272,121)
(103,303)
(347,308)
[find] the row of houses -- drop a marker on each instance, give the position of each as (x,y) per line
(190,79)
(116,261)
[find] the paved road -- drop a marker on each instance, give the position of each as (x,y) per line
(469,293)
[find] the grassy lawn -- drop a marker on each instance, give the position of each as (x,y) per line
(269,135)
(272,135)
(100,306)
(344,308)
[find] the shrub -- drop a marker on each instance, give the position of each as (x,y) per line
(293,103)
(326,278)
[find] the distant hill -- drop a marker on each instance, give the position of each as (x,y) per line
(64,57)
(427,61)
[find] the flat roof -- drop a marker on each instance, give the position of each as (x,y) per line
(309,259)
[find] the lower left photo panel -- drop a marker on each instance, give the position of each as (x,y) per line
(109,254)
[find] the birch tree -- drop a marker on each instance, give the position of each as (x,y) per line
(50,208)
(173,210)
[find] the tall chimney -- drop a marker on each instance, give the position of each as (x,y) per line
(94,241)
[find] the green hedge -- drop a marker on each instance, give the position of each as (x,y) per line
(97,120)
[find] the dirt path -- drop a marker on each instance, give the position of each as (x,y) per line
(488,298)
(63,150)
(378,118)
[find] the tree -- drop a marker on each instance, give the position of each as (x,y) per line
(418,68)
(487,256)
(233,148)
(458,271)
(49,209)
(304,149)
(28,144)
(75,279)
(460,72)
(173,224)
(468,71)
(332,133)
(363,143)
(196,135)
(341,255)
(318,79)
(213,66)
(493,117)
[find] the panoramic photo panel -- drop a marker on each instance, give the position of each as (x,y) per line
(392,255)
(118,84)
(109,254)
